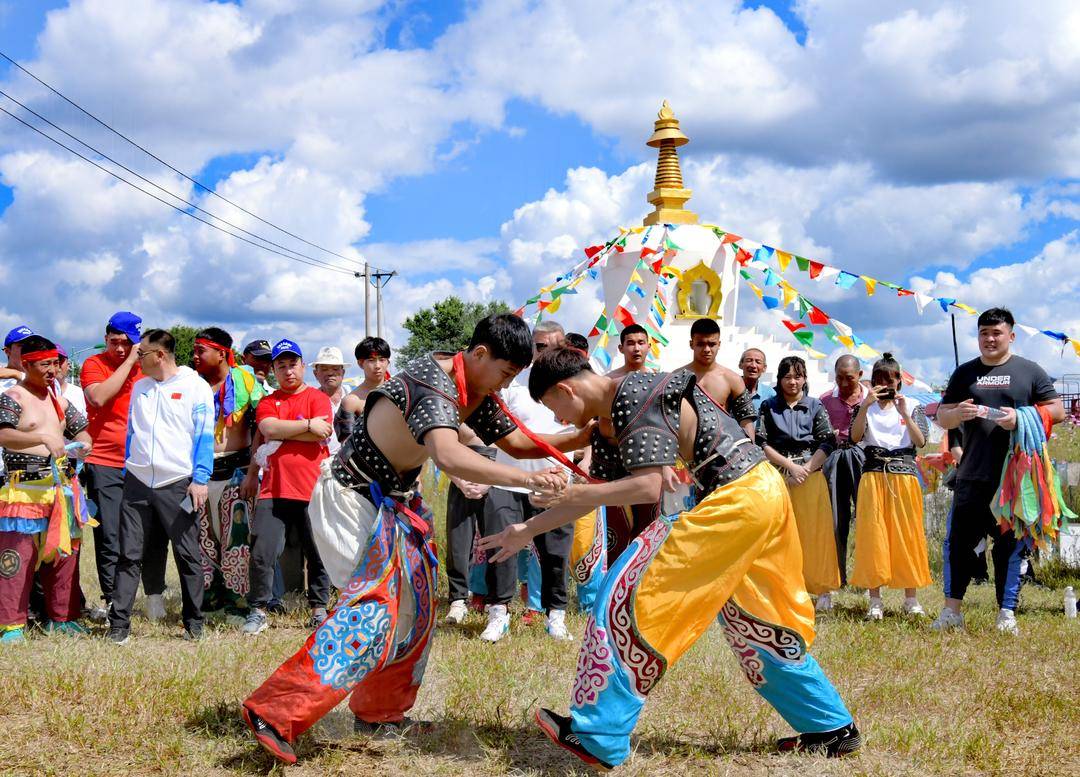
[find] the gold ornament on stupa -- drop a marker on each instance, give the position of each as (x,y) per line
(668,195)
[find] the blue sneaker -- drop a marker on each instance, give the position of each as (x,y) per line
(12,636)
(65,628)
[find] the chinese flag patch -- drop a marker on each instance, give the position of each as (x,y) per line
(177,395)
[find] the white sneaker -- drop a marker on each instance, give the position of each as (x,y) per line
(155,607)
(498,623)
(912,607)
(458,611)
(556,626)
(948,620)
(876,611)
(1006,622)
(824,603)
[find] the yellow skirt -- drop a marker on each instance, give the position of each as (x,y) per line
(890,542)
(813,514)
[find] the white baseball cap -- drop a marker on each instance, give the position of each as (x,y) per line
(330,357)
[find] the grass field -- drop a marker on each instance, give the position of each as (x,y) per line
(962,703)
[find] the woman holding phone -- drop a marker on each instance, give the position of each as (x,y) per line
(890,542)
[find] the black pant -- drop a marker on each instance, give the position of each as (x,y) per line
(969,524)
(272,519)
(105,488)
(464,517)
(553,547)
(143,510)
(155,557)
(844,471)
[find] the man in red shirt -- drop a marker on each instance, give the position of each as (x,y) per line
(843,468)
(297,420)
(107,379)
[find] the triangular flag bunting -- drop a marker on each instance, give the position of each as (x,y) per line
(771,278)
(864,351)
(790,295)
(793,326)
(814,354)
(1056,335)
(841,327)
(757,291)
(1076,346)
(729,237)
(742,256)
(645,251)
(871,284)
(624,316)
(901,292)
(772,303)
(554,305)
(845,280)
(965,308)
(921,300)
(815,269)
(803,263)
(817,316)
(806,337)
(1028,330)
(827,272)
(783,258)
(804,306)
(945,302)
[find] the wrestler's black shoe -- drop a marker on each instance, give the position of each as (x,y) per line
(834,744)
(557,728)
(270,739)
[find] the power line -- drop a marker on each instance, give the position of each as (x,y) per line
(184,175)
(166,191)
(117,176)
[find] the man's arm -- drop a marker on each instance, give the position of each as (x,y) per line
(641,487)
(953,415)
(518,535)
(1057,409)
(455,459)
(303,430)
(101,392)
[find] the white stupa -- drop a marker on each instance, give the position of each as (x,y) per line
(710,284)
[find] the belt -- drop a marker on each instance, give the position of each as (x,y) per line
(741,458)
(226,464)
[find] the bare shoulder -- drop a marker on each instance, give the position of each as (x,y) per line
(18,393)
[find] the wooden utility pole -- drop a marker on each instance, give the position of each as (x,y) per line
(373,275)
(381,279)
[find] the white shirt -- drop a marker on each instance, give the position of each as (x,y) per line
(535,416)
(74,395)
(885,428)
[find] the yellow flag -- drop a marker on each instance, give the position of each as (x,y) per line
(756,290)
(784,258)
(1076,346)
(603,341)
(790,295)
(871,284)
(554,305)
(965,308)
(864,351)
(814,354)
(635,278)
(847,341)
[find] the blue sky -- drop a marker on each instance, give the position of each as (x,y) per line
(476,146)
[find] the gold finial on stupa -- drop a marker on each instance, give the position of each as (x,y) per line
(668,195)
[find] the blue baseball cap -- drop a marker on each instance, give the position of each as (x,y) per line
(127,323)
(282,347)
(18,334)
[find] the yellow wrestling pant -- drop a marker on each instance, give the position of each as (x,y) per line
(736,555)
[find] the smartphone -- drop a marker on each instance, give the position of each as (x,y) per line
(187,506)
(990,413)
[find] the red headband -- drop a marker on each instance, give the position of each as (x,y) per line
(229,356)
(40,356)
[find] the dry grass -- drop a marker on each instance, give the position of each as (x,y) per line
(971,703)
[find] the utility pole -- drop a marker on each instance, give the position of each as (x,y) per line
(367,300)
(381,279)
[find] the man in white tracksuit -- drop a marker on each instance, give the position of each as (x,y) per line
(169,459)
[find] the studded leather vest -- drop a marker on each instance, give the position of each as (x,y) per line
(645,415)
(428,399)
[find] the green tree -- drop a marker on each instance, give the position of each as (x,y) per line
(185,342)
(445,326)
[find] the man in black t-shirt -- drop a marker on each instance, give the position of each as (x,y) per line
(997,379)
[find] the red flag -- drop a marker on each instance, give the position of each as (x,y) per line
(904,293)
(815,268)
(594,332)
(793,327)
(623,316)
(729,237)
(543,304)
(592,251)
(658,264)
(519,312)
(619,248)
(742,256)
(645,251)
(817,317)
(907,377)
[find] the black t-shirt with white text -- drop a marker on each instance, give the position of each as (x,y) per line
(1019,382)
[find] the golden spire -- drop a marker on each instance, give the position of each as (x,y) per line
(668,195)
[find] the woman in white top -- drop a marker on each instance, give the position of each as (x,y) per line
(890,542)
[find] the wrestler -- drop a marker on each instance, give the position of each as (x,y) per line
(374,534)
(725,387)
(634,346)
(736,555)
(225,517)
(35,532)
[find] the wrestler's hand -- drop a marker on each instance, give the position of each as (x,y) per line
(508,542)
(471,490)
(249,488)
(545,501)
(547,482)
(198,492)
(584,436)
(56,444)
(670,480)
